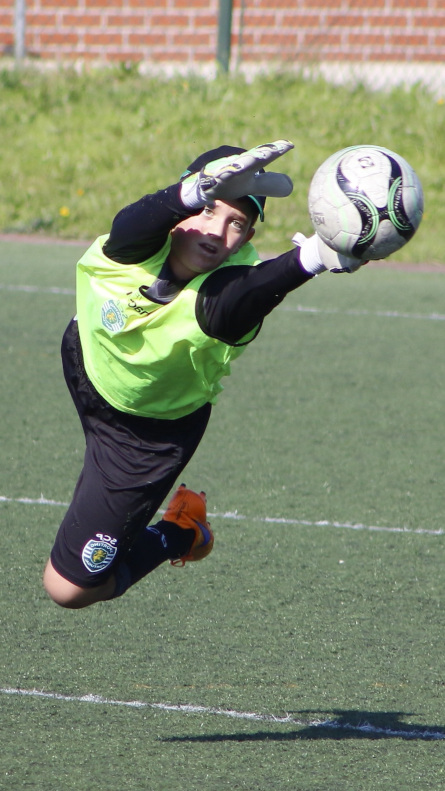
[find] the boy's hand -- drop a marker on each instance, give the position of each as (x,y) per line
(234,177)
(317,257)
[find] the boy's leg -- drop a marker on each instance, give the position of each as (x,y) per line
(150,549)
(66,594)
(182,535)
(105,542)
(130,466)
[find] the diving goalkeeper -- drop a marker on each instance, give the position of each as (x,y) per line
(165,302)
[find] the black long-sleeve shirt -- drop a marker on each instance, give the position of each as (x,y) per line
(233,300)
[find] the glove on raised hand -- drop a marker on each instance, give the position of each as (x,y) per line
(317,257)
(234,177)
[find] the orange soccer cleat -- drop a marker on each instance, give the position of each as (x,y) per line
(187,509)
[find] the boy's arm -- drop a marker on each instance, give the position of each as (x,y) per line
(235,300)
(141,229)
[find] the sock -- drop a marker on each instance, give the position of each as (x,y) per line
(156,544)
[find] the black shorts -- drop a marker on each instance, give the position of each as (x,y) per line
(131,463)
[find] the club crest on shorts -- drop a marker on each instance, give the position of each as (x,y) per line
(112,316)
(97,555)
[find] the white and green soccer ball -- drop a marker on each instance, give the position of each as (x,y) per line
(365,202)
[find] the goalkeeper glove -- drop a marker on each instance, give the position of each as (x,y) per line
(317,257)
(236,176)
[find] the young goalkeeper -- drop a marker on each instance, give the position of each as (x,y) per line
(165,302)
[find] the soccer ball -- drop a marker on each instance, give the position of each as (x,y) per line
(365,202)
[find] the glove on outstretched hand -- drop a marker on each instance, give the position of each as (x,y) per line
(234,177)
(317,257)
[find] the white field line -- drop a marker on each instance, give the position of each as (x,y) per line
(389,314)
(276,520)
(38,289)
(365,728)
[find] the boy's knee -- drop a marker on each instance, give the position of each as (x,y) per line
(66,594)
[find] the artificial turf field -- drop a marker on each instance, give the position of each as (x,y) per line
(307,652)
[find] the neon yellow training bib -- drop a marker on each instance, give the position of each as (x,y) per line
(144,358)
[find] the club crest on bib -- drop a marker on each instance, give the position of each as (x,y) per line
(113,317)
(97,555)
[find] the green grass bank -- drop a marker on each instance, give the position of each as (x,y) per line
(79,146)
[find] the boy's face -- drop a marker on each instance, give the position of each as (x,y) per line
(203,242)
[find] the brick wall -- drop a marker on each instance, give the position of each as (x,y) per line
(185,31)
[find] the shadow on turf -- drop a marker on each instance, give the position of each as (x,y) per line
(343,725)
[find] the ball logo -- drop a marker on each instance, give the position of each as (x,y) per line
(97,555)
(366,162)
(318,218)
